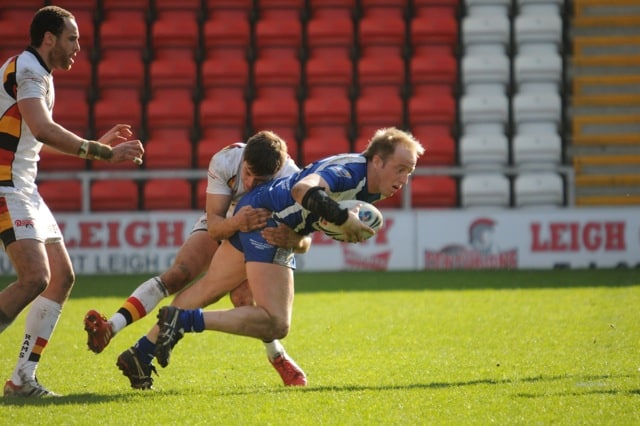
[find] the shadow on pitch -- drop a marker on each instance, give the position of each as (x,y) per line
(584,385)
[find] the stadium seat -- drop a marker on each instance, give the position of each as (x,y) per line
(317,146)
(376,74)
(123,28)
(166,152)
(62,195)
(72,109)
(278,30)
(486,34)
(538,33)
(484,151)
(440,147)
(171,109)
(52,160)
(433,73)
(201,194)
(433,30)
(540,7)
(488,7)
(167,194)
(434,192)
(115,81)
(175,29)
(281,74)
(485,190)
(225,77)
(227,34)
(222,112)
(332,74)
(432,109)
(373,111)
(539,151)
(381,32)
(330,30)
(327,111)
(14,27)
(538,190)
(487,114)
(114,195)
(537,112)
(538,72)
(109,112)
(486,74)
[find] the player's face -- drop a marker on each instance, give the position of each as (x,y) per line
(250,180)
(391,175)
(66,47)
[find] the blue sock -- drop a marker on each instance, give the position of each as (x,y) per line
(192,320)
(145,348)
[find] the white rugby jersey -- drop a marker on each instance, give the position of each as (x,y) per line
(23,76)
(225,177)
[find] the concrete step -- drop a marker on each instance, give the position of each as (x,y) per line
(607,200)
(605,84)
(605,7)
(604,163)
(630,139)
(606,44)
(607,180)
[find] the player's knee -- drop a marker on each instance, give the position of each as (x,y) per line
(279,330)
(177,277)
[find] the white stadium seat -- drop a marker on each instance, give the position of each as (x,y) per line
(538,33)
(486,34)
(538,190)
(485,190)
(537,151)
(488,7)
(479,151)
(486,73)
(536,73)
(486,114)
(540,7)
(537,112)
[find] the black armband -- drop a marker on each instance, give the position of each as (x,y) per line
(318,202)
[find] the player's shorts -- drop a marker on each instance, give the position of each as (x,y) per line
(255,247)
(26,216)
(200,225)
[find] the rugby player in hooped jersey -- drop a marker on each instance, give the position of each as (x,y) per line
(28,231)
(298,201)
(232,172)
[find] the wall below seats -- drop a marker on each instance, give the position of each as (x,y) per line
(418,239)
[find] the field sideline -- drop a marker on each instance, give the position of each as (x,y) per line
(450,348)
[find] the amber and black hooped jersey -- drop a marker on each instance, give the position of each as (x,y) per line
(23,76)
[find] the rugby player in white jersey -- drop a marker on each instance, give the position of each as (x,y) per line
(232,172)
(28,231)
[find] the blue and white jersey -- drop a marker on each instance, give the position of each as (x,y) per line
(346,175)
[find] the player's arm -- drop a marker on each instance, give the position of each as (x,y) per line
(221,227)
(310,193)
(47,131)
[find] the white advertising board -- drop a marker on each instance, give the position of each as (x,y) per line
(119,243)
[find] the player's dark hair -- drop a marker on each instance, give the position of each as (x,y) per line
(265,153)
(49,18)
(384,142)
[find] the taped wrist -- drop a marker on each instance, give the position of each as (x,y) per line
(318,202)
(93,149)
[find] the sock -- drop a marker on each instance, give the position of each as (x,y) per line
(145,349)
(192,320)
(274,348)
(39,325)
(142,301)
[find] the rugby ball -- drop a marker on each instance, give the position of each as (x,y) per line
(368,214)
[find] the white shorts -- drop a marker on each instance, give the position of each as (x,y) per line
(200,225)
(26,216)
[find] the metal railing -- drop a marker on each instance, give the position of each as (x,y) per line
(86,177)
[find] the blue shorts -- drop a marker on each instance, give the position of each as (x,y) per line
(254,246)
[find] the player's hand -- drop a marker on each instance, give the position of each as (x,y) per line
(118,133)
(250,219)
(282,236)
(128,151)
(354,229)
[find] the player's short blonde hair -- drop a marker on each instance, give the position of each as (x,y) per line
(384,142)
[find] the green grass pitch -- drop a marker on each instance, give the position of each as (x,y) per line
(379,348)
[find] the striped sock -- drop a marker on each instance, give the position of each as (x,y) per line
(140,303)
